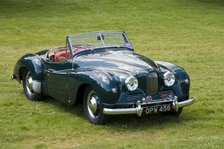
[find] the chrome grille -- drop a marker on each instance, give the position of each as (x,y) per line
(152,83)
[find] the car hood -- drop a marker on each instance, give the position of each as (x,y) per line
(116,62)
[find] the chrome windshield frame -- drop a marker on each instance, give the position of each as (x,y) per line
(100,33)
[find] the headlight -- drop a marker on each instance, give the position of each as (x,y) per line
(131,83)
(169,78)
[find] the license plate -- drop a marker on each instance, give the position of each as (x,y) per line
(158,109)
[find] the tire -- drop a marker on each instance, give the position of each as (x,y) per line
(176,113)
(28,89)
(93,110)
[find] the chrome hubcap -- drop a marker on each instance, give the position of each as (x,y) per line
(92,105)
(29,83)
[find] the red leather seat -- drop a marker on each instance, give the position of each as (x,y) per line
(65,54)
(62,54)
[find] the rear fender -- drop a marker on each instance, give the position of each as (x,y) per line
(31,62)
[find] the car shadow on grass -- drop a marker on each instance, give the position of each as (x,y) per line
(73,109)
(134,122)
(125,122)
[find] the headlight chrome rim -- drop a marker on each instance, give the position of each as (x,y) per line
(131,83)
(169,78)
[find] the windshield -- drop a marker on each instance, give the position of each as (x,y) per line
(94,40)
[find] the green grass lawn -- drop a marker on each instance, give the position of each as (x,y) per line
(189,33)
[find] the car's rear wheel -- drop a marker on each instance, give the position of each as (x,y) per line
(28,87)
(92,107)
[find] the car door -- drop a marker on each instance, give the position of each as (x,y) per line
(56,77)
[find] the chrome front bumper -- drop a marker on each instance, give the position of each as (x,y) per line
(139,109)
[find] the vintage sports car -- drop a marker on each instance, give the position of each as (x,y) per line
(101,70)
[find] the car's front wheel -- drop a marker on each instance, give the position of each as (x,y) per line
(92,107)
(28,87)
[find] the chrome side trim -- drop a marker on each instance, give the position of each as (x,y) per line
(139,109)
(36,86)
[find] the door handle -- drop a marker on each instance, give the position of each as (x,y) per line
(50,70)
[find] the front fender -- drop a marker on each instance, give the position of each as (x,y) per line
(102,82)
(182,85)
(179,72)
(32,62)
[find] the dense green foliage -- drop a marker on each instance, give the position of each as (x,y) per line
(189,33)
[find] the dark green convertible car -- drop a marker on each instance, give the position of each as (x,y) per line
(101,70)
